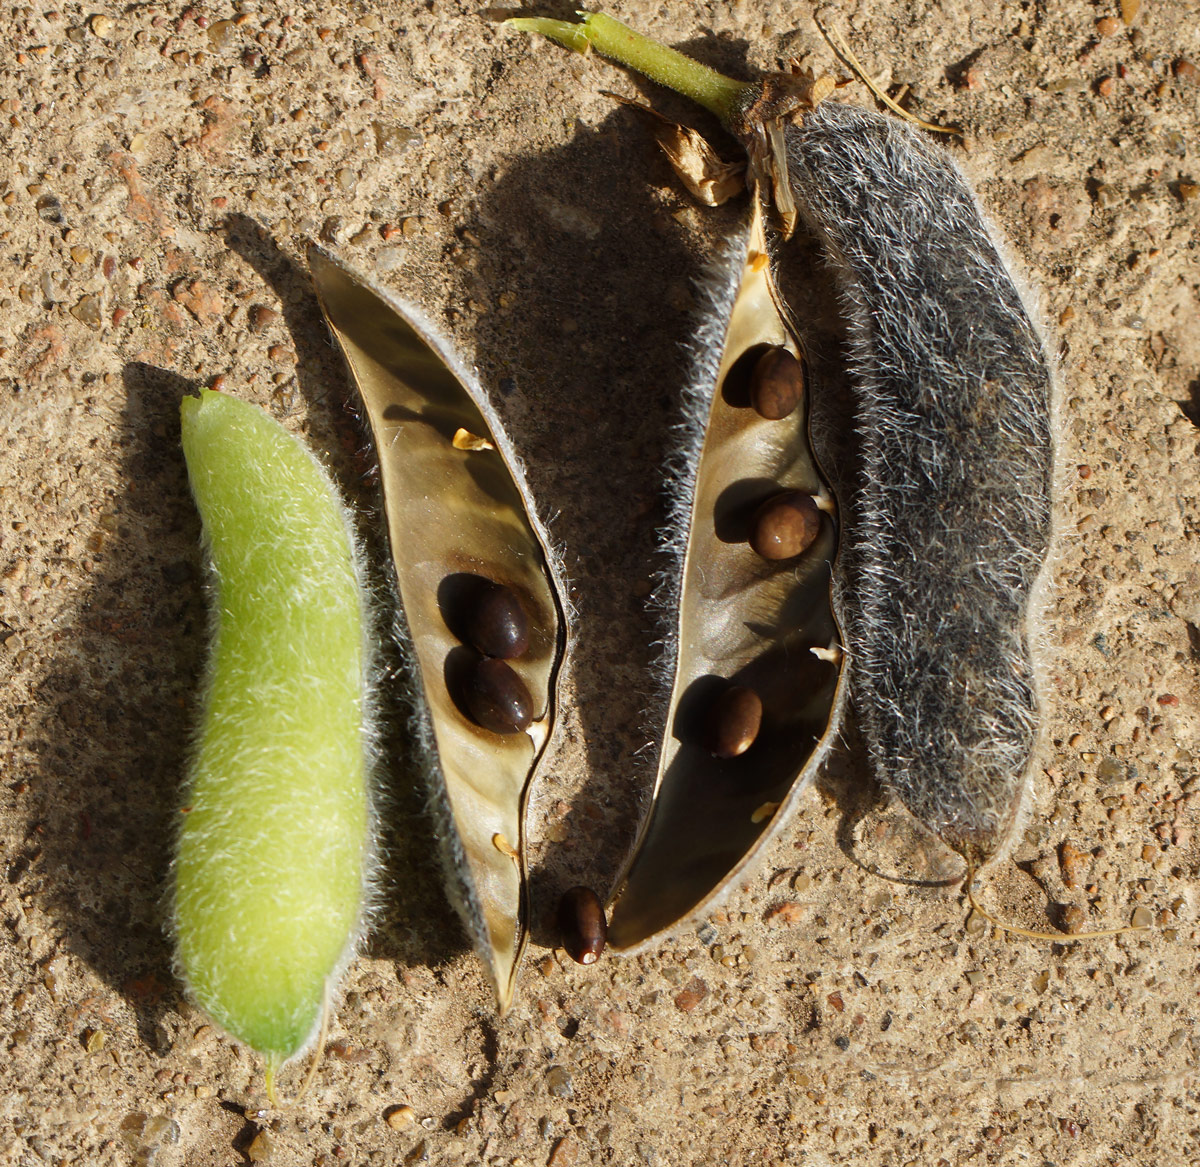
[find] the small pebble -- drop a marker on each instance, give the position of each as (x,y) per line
(261,317)
(222,34)
(735,721)
(88,311)
(1073,918)
(261,1148)
(1184,70)
(558,1082)
(493,621)
(1142,918)
(789,912)
(1074,864)
(400,1117)
(582,927)
(496,698)
(101,25)
(691,995)
(785,525)
(777,384)
(565,1154)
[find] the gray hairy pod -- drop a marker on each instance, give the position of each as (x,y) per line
(954,430)
(945,574)
(481,620)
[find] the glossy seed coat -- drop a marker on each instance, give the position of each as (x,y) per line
(582,928)
(736,719)
(785,525)
(777,384)
(496,698)
(494,622)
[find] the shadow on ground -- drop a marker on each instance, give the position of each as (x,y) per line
(116,758)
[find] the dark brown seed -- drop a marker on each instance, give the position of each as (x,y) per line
(777,384)
(736,719)
(785,525)
(496,698)
(495,623)
(581,925)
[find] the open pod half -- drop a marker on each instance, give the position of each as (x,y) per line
(754,659)
(482,619)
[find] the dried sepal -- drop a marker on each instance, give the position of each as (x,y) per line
(461,529)
(709,179)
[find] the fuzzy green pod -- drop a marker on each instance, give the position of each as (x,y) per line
(274,853)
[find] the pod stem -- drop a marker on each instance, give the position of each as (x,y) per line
(724,96)
(269,1080)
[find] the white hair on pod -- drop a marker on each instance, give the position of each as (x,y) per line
(954,420)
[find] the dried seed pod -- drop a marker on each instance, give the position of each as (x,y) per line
(956,441)
(955,431)
(459,512)
(735,623)
(581,925)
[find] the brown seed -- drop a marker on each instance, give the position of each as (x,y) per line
(777,384)
(494,621)
(496,698)
(581,925)
(736,719)
(785,525)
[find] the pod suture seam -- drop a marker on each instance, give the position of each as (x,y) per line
(716,289)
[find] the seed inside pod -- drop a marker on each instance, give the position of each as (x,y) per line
(785,525)
(736,718)
(484,614)
(581,925)
(496,698)
(777,384)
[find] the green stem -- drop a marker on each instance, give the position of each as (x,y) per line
(720,94)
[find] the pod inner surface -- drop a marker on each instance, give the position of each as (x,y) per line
(456,520)
(743,620)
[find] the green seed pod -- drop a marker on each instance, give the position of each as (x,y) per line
(461,526)
(276,848)
(753,660)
